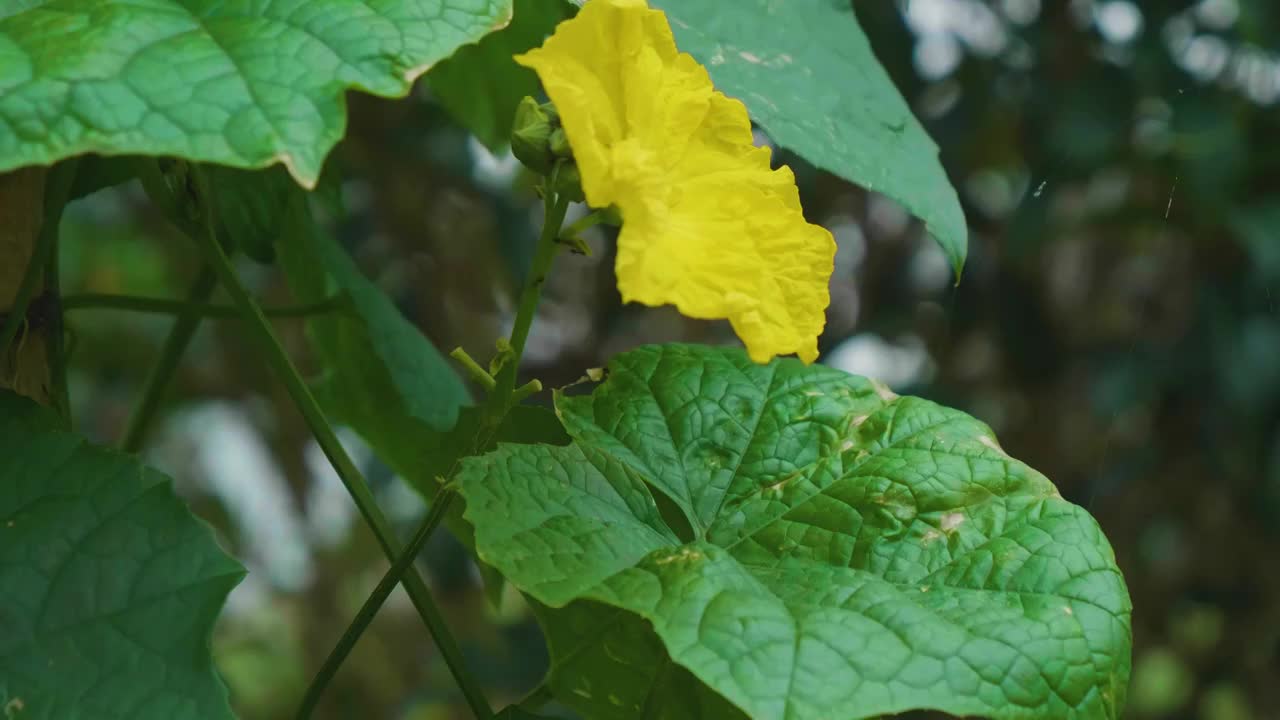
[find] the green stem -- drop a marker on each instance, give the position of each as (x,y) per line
(165,306)
(357,487)
(477,373)
(15,316)
(532,387)
(555,209)
(184,328)
(541,266)
(57,193)
(439,507)
(543,257)
(590,220)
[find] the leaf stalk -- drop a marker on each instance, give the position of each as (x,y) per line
(351,477)
(503,396)
(175,345)
(196,306)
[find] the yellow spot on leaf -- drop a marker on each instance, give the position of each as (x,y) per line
(951,521)
(991,443)
(883,391)
(685,553)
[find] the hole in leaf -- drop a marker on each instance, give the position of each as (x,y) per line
(673,516)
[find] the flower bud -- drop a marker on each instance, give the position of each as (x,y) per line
(567,182)
(558,143)
(530,136)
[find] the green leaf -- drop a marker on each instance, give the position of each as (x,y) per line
(381,375)
(613,665)
(440,452)
(96,172)
(110,587)
(854,553)
(250,207)
(241,84)
(481,85)
(522,425)
(808,75)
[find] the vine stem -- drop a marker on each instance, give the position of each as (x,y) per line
(53,197)
(16,315)
(275,355)
(555,210)
(57,195)
(175,344)
(193,305)
(372,604)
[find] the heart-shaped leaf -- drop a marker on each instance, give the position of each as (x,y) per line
(841,552)
(110,587)
(240,84)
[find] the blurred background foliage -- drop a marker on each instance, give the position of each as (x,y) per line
(1117,325)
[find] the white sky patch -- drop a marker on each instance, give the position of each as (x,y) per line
(494,172)
(886,214)
(330,512)
(937,55)
(233,463)
(1119,21)
(1020,12)
(1247,68)
(851,244)
(897,365)
(1217,14)
(944,29)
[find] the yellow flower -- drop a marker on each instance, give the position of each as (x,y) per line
(707,225)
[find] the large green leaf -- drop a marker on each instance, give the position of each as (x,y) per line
(613,665)
(808,75)
(381,375)
(241,84)
(110,587)
(848,553)
(439,453)
(481,85)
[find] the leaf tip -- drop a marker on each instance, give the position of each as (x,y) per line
(304,176)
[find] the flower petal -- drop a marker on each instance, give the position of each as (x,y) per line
(586,67)
(707,224)
(731,246)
